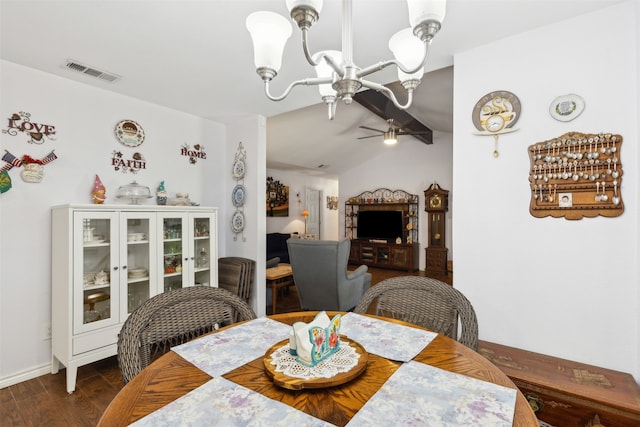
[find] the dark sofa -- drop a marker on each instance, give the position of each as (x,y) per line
(277,246)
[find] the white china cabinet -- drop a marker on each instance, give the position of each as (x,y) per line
(108,259)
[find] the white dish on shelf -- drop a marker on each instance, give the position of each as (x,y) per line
(137,272)
(94,242)
(135,237)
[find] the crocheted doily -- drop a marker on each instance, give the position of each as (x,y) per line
(342,360)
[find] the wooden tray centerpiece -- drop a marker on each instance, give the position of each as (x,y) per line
(294,383)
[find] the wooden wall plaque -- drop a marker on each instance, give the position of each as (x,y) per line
(576,175)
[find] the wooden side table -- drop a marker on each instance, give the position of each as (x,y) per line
(277,278)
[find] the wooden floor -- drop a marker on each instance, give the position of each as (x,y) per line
(43,401)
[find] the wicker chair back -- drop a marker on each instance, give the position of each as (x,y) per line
(173,318)
(426,302)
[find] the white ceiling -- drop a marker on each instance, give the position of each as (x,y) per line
(197,57)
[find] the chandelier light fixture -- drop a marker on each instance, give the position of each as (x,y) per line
(337,76)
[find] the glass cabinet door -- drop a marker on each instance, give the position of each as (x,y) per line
(202,230)
(175,254)
(138,256)
(95,295)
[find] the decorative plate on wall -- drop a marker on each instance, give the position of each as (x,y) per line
(237,222)
(238,169)
(566,107)
(238,195)
(129,133)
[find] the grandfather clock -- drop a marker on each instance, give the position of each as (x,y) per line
(436,203)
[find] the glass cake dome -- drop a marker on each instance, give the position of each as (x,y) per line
(134,192)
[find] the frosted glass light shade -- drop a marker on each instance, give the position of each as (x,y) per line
(324,70)
(390,140)
(269,32)
(424,10)
(315,4)
(409,51)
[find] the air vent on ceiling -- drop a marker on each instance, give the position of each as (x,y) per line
(90,71)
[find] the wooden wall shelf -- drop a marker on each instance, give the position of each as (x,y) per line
(576,175)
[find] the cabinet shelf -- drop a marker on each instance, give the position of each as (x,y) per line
(97,245)
(93,287)
(138,242)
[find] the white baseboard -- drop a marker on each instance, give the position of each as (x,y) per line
(26,375)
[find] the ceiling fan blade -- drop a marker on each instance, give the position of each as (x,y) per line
(376,130)
(380,105)
(402,132)
(370,136)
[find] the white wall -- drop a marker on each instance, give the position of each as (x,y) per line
(553,286)
(294,223)
(85,118)
(251,243)
(411,166)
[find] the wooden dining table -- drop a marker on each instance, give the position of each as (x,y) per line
(171,377)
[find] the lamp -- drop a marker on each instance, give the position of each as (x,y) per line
(390,137)
(337,76)
(305,214)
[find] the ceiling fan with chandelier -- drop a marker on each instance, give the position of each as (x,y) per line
(391,135)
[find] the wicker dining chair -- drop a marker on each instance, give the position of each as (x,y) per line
(426,302)
(173,318)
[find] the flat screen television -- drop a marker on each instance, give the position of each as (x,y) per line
(379,225)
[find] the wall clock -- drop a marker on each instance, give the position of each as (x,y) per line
(495,114)
(129,133)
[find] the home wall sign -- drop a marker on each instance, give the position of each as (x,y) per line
(495,114)
(195,153)
(124,165)
(576,175)
(37,132)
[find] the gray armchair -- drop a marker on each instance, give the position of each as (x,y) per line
(321,277)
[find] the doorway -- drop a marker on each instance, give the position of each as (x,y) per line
(312,202)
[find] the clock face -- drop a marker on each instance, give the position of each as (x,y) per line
(496,112)
(435,201)
(494,123)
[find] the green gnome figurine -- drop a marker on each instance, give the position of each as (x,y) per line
(161,194)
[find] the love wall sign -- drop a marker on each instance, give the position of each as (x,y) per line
(37,132)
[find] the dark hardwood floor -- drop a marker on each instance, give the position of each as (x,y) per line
(43,401)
